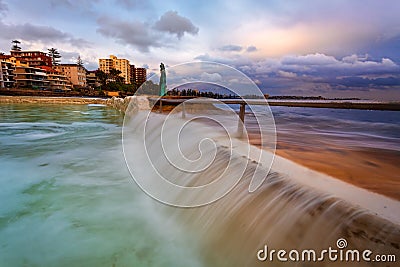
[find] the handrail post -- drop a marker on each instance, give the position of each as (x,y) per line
(183,110)
(241,118)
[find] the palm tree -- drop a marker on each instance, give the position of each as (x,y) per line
(55,56)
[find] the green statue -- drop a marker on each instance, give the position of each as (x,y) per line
(163,80)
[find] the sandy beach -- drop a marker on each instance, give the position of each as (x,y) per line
(373,169)
(376,170)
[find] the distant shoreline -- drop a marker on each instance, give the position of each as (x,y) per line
(340,105)
(395,106)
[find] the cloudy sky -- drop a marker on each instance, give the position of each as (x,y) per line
(335,48)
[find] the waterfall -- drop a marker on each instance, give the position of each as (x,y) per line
(294,208)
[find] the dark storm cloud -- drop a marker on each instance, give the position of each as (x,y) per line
(231,48)
(143,36)
(31,32)
(322,73)
(366,82)
(385,47)
(136,34)
(173,23)
(323,65)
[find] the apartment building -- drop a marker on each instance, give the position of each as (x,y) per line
(132,74)
(121,64)
(137,75)
(30,77)
(91,79)
(75,73)
(32,58)
(6,74)
(140,76)
(57,80)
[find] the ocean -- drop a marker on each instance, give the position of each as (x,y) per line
(345,127)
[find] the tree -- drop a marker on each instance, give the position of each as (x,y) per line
(15,46)
(79,61)
(102,76)
(115,75)
(55,56)
(134,86)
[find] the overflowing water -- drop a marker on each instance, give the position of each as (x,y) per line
(294,208)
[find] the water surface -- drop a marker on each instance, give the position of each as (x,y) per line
(67,198)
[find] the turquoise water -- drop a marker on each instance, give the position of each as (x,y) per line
(67,199)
